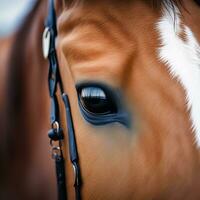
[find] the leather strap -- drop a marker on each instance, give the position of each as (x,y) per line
(60,174)
(56,133)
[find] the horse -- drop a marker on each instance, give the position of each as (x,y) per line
(131,72)
(24,174)
(4,52)
(5,44)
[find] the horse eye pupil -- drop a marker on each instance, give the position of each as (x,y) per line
(198,2)
(95,101)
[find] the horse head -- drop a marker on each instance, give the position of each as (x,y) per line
(129,76)
(130,70)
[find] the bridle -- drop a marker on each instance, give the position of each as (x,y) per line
(56,133)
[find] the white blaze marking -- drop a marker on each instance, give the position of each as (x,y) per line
(183,61)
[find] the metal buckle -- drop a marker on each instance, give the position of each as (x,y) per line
(56,151)
(56,145)
(46,39)
(76,174)
(55,125)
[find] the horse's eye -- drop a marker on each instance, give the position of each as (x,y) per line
(101,104)
(96,101)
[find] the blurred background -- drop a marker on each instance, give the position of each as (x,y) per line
(26,167)
(12,13)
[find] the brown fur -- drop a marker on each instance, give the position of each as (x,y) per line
(113,42)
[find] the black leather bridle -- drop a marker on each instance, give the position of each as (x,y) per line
(56,133)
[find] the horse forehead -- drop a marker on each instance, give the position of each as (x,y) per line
(105,37)
(125,11)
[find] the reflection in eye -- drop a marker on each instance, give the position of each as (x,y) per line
(95,101)
(93,92)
